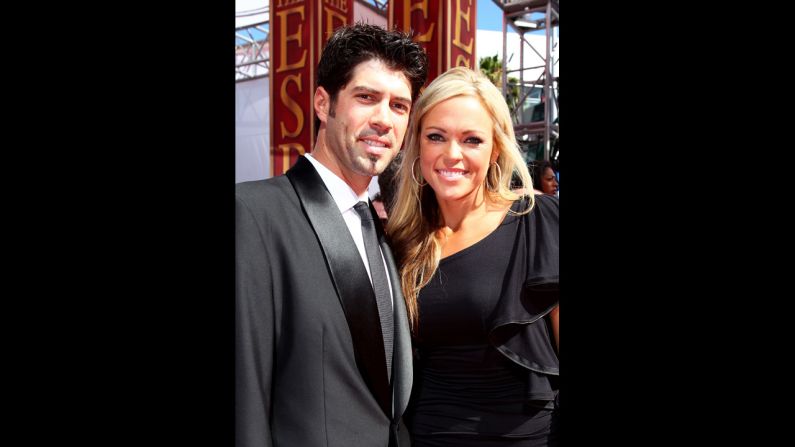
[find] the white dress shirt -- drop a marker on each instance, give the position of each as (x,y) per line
(346,198)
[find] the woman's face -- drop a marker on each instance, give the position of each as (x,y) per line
(456,148)
(549,183)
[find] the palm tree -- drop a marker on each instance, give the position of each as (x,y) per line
(491,67)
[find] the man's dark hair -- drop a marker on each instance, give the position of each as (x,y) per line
(351,45)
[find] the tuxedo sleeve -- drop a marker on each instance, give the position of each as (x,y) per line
(254,332)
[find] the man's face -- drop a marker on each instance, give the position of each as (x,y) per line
(366,124)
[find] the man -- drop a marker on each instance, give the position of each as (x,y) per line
(320,359)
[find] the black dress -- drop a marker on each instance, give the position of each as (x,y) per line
(487,371)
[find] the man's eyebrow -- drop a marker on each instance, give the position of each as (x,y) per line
(372,91)
(403,99)
(361,88)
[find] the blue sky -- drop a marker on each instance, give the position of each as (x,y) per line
(489,16)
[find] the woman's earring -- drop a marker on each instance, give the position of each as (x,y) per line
(496,184)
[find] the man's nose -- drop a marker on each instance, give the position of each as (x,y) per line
(380,118)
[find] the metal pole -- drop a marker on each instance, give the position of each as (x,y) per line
(504,52)
(519,108)
(547,82)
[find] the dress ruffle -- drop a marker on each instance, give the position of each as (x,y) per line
(518,328)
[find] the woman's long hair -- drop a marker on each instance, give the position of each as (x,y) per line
(415,218)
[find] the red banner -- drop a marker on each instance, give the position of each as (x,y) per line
(462,25)
(445,29)
(298,31)
(334,14)
(424,19)
(290,82)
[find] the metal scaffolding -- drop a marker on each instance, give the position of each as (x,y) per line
(531,17)
(252,53)
(380,5)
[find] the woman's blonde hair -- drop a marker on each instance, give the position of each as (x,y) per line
(415,218)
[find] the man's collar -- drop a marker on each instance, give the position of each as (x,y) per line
(344,196)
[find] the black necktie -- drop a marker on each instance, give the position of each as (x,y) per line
(380,284)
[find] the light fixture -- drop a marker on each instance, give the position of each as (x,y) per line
(525,23)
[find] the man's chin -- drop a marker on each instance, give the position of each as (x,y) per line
(373,166)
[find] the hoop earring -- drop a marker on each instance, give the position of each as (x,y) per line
(496,186)
(413,177)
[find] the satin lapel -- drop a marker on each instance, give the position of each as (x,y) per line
(349,277)
(402,369)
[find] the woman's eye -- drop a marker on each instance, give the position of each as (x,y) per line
(473,140)
(435,137)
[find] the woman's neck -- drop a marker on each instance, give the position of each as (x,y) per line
(458,213)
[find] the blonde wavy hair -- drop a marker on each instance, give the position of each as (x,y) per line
(415,220)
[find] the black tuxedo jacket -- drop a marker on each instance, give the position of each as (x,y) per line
(309,356)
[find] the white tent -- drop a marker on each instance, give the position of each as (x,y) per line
(249,12)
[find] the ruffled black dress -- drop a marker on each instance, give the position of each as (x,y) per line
(486,373)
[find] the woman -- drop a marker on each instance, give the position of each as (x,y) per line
(479,272)
(544,178)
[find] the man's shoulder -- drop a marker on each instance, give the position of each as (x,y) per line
(263,191)
(268,197)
